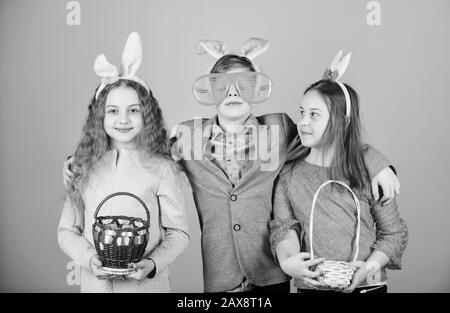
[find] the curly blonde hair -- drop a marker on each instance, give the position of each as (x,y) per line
(152,140)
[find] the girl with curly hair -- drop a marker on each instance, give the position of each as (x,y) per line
(124,147)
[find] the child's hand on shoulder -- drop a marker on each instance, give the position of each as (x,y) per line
(388,182)
(67,172)
(143,268)
(297,266)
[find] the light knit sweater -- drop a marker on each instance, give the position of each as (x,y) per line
(159,184)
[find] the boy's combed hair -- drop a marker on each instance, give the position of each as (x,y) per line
(152,140)
(230,61)
(345,135)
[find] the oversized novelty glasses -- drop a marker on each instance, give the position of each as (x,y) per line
(252,87)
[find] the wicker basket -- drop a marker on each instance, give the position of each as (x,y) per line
(120,240)
(336,274)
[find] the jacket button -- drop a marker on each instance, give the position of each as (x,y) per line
(237,227)
(233,197)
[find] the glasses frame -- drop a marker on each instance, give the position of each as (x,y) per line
(231,78)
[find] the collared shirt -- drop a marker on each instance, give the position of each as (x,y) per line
(233,151)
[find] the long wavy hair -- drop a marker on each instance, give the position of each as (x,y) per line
(152,140)
(343,134)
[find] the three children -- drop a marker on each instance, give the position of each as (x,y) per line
(232,161)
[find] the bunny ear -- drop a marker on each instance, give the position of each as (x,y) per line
(214,48)
(343,64)
(254,47)
(334,64)
(105,70)
(132,55)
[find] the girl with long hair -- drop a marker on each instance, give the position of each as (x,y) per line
(124,148)
(329,125)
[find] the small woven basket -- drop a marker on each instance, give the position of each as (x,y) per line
(335,274)
(120,240)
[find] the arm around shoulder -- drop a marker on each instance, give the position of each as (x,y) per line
(173,218)
(294,146)
(284,220)
(391,232)
(375,161)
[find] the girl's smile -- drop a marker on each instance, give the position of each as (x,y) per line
(123,130)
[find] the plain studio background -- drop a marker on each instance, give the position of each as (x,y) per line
(400,68)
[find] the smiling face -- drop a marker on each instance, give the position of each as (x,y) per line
(314,116)
(123,118)
(233,108)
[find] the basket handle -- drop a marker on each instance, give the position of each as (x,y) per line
(123,193)
(311,218)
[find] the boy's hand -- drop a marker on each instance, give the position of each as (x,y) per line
(143,268)
(67,172)
(296,266)
(390,184)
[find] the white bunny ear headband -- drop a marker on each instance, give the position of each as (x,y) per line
(215,48)
(335,71)
(131,59)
